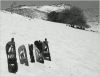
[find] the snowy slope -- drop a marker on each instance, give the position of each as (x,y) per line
(74,52)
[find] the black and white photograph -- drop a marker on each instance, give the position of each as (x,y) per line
(49,38)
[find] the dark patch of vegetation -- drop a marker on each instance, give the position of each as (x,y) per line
(73,16)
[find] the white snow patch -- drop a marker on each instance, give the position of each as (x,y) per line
(48,8)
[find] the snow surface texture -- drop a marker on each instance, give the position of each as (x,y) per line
(74,52)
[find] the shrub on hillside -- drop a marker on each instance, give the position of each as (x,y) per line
(73,16)
(53,16)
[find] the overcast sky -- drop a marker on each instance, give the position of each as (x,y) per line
(79,3)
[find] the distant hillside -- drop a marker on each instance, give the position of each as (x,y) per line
(36,11)
(31,13)
(91,14)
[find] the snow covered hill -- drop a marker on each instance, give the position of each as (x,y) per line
(74,52)
(37,11)
(30,12)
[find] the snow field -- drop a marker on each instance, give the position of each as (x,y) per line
(74,52)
